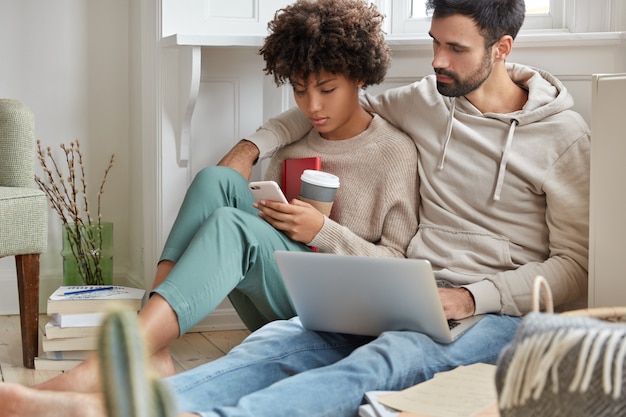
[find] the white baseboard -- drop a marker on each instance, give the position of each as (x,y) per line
(9,303)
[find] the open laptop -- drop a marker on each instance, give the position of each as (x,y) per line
(366,295)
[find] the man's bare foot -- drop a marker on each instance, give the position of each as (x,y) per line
(17,400)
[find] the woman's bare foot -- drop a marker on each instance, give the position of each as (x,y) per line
(159,325)
(17,400)
(83,378)
(162,363)
(86,376)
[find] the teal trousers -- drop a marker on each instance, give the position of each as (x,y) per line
(222,248)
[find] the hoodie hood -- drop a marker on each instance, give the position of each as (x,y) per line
(546,96)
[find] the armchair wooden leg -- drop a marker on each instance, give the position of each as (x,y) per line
(28,289)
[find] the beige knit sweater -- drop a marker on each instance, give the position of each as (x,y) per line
(375,208)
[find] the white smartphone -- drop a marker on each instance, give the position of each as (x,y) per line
(267,190)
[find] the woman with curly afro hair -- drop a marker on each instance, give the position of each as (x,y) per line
(340,37)
(328,50)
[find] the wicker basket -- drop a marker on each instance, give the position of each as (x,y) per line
(569,364)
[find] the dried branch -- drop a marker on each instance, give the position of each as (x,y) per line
(67,194)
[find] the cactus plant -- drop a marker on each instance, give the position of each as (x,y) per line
(129,388)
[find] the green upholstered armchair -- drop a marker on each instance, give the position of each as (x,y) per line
(23,215)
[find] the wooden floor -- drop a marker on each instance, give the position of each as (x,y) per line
(188,352)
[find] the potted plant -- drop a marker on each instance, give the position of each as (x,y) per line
(87,240)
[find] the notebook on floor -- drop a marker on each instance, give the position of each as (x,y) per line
(366,295)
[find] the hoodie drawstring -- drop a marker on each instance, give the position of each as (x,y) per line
(448,134)
(505,152)
(504,160)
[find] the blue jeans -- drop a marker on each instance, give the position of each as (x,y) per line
(284,370)
(221,248)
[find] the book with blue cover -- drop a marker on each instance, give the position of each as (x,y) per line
(94,299)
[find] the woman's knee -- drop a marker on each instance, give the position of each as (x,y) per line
(215,174)
(233,217)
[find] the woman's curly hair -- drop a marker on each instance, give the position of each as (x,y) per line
(337,36)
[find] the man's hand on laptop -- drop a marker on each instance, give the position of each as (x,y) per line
(458,303)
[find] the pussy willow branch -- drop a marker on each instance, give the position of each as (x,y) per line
(71,181)
(50,188)
(83,176)
(58,196)
(68,197)
(101,190)
(75,192)
(62,191)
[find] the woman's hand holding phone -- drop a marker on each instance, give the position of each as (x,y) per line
(267,190)
(299,221)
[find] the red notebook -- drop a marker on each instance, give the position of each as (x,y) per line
(292,170)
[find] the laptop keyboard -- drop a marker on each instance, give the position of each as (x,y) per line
(452,324)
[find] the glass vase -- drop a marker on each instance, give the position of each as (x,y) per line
(88,254)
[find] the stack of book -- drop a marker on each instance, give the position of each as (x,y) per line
(76,313)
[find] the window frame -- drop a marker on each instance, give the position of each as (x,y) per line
(574,16)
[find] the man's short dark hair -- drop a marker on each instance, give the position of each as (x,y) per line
(338,36)
(494,18)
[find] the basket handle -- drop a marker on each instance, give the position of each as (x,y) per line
(539,284)
(617,313)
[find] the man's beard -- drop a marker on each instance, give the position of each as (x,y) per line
(459,88)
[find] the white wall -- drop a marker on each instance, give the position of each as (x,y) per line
(68,60)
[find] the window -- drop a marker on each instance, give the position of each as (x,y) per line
(533,7)
(409,16)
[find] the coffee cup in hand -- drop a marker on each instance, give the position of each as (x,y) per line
(318,189)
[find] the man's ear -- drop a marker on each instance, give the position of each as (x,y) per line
(502,48)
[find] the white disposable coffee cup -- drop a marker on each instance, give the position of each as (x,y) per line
(318,189)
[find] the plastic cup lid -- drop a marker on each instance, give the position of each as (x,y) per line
(320,178)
